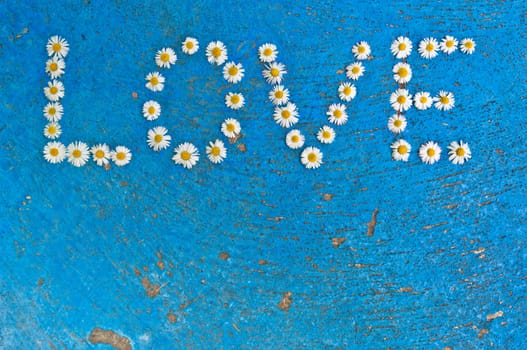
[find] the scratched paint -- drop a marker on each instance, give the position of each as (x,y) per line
(258,252)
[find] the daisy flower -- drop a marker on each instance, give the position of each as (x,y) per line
(468,46)
(121,156)
(52,130)
(401,100)
(231,128)
(274,73)
(234,100)
(429,152)
(444,101)
(361,50)
(337,114)
(311,157)
(347,91)
(355,70)
(53,111)
(423,100)
(57,46)
(402,73)
(216,151)
(155,81)
(458,153)
(397,123)
(216,52)
(294,139)
(54,91)
(401,47)
(55,67)
(186,154)
(448,44)
(401,150)
(279,95)
(190,46)
(233,72)
(326,134)
(428,48)
(151,110)
(101,154)
(286,116)
(267,53)
(158,138)
(166,57)
(77,153)
(54,152)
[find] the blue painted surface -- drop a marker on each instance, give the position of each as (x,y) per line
(449,246)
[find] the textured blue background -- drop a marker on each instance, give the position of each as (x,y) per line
(449,248)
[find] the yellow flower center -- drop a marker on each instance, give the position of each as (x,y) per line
(279,94)
(120,156)
(361,49)
(268,51)
(286,114)
(397,123)
(52,111)
(401,99)
(76,153)
(337,113)
(403,72)
(158,138)
(445,100)
(151,110)
(469,44)
(233,70)
(57,47)
(189,45)
(216,52)
(185,155)
(275,72)
(53,90)
(230,127)
(449,43)
(430,47)
(154,81)
(235,99)
(402,149)
(460,152)
(355,70)
(215,151)
(347,90)
(52,129)
(326,134)
(53,66)
(99,154)
(423,99)
(164,57)
(402,46)
(312,157)
(295,138)
(54,152)
(430,152)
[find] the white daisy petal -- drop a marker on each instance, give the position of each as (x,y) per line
(401,150)
(445,101)
(361,50)
(467,46)
(347,92)
(401,47)
(397,123)
(234,100)
(448,44)
(216,52)
(311,157)
(77,153)
(286,116)
(53,111)
(54,91)
(402,73)
(55,67)
(337,114)
(57,46)
(52,130)
(216,151)
(428,48)
(459,152)
(233,72)
(326,134)
(166,57)
(121,155)
(101,154)
(279,95)
(274,73)
(294,139)
(54,152)
(231,128)
(151,110)
(186,154)
(190,46)
(401,100)
(423,100)
(155,81)
(267,53)
(429,152)
(355,70)
(158,139)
